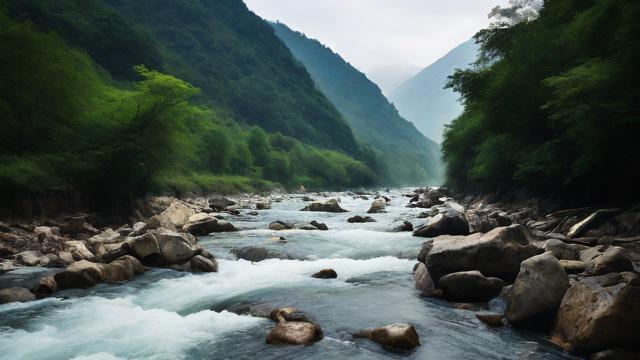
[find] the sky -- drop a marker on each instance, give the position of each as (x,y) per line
(375,33)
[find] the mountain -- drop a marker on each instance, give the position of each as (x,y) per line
(219,46)
(389,77)
(409,156)
(423,99)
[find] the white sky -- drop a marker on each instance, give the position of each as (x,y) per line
(371,33)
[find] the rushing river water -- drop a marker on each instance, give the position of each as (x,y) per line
(165,314)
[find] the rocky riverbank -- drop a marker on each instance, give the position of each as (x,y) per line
(571,274)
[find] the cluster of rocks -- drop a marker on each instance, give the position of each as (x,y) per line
(330,205)
(285,225)
(571,273)
(87,255)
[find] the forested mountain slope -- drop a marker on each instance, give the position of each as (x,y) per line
(410,157)
(424,100)
(554,107)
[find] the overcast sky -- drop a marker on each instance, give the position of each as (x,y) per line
(372,33)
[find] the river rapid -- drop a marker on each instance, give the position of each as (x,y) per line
(165,314)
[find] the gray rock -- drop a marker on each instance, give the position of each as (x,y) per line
(445,223)
(330,205)
(319,226)
(203,264)
(395,336)
(16,294)
(377,206)
(470,286)
(257,254)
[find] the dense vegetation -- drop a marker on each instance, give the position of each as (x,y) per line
(66,124)
(553,106)
(409,156)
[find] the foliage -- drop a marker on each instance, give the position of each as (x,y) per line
(553,106)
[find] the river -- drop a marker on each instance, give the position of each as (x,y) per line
(165,314)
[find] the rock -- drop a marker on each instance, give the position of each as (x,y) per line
(204,224)
(423,280)
(573,266)
(319,226)
(80,274)
(307,227)
(175,216)
(325,274)
(493,320)
(396,336)
(361,219)
(294,333)
(405,226)
(15,294)
(280,225)
(497,253)
(539,288)
(108,236)
(614,259)
(202,264)
(308,199)
(257,254)
(330,205)
(6,266)
(176,248)
(122,269)
(583,226)
(599,313)
(263,205)
(29,258)
(430,197)
(562,250)
(66,257)
(615,354)
(43,232)
(139,228)
(470,286)
(220,203)
(145,248)
(377,206)
(45,287)
(445,223)
(78,250)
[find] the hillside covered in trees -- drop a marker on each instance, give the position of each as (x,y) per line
(180,99)
(410,157)
(553,106)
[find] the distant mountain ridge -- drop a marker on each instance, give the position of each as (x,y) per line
(409,156)
(389,77)
(423,99)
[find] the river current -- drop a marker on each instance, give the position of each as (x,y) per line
(165,314)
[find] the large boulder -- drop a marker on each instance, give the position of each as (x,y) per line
(377,206)
(470,286)
(445,223)
(122,269)
(16,294)
(330,205)
(220,203)
(45,286)
(80,274)
(145,247)
(200,263)
(176,248)
(108,236)
(202,224)
(78,250)
(294,333)
(423,280)
(175,216)
(497,253)
(600,313)
(539,288)
(30,258)
(396,336)
(257,254)
(614,259)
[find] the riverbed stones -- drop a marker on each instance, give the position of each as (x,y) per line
(80,274)
(45,286)
(16,294)
(78,250)
(497,253)
(470,286)
(175,216)
(562,250)
(257,254)
(330,205)
(400,336)
(220,203)
(426,198)
(361,219)
(30,258)
(294,333)
(122,269)
(200,263)
(599,313)
(202,224)
(108,236)
(281,225)
(444,223)
(176,248)
(614,259)
(377,206)
(325,274)
(573,266)
(539,288)
(319,226)
(404,226)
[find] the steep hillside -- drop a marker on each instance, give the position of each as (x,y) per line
(219,46)
(409,156)
(423,99)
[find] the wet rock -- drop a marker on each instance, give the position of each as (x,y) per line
(202,224)
(470,286)
(325,274)
(377,206)
(573,266)
(45,287)
(539,288)
(405,226)
(200,263)
(583,226)
(294,333)
(145,248)
(599,313)
(330,205)
(445,223)
(423,280)
(361,219)
(493,320)
(497,253)
(257,254)
(220,203)
(176,248)
(319,226)
(16,294)
(396,336)
(615,354)
(614,259)
(122,269)
(80,274)
(281,225)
